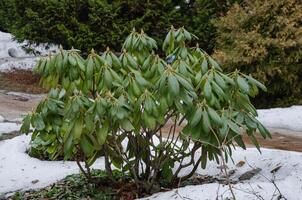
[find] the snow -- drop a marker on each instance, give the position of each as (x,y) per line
(7,127)
(24,64)
(283,118)
(19,171)
(6,42)
(288,178)
(23,60)
(26,95)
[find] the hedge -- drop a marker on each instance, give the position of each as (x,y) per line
(264,38)
(87,24)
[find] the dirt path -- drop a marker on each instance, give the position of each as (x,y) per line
(15,105)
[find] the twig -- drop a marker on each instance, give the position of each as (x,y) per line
(270,180)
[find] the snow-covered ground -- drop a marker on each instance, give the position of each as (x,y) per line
(23,60)
(6,42)
(288,178)
(18,171)
(284,118)
(7,127)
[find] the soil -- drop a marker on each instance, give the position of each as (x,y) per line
(20,81)
(24,81)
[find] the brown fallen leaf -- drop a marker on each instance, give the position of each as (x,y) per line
(240,163)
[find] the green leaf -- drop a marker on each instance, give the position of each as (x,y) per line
(186,84)
(257,83)
(242,84)
(195,133)
(131,61)
(196,117)
(81,65)
(220,81)
(52,105)
(39,123)
(90,66)
(127,125)
(206,125)
(214,64)
(89,122)
(77,128)
(107,78)
(86,145)
(207,90)
(219,91)
(254,141)
(68,146)
(263,131)
(115,76)
(234,127)
(62,93)
(204,66)
(102,133)
(227,79)
(173,85)
(149,121)
(135,88)
(25,124)
(72,60)
(141,80)
(214,116)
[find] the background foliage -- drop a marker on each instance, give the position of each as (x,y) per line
(87,24)
(6,14)
(264,38)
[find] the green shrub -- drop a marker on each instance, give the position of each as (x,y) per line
(263,38)
(7,13)
(120,106)
(87,24)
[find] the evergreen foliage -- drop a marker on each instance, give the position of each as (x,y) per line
(264,38)
(87,24)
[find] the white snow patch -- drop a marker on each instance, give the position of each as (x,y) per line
(24,64)
(7,127)
(23,60)
(284,118)
(26,95)
(288,178)
(18,169)
(7,42)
